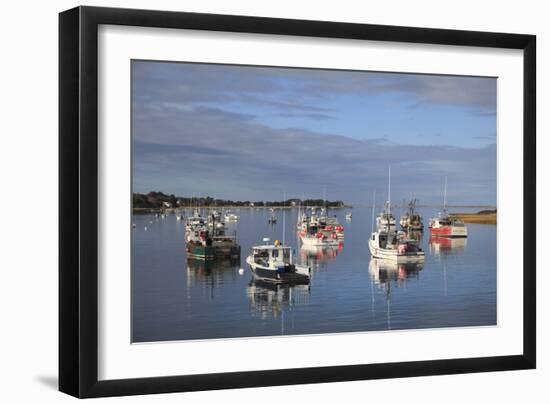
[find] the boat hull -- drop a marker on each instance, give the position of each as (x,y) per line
(198,252)
(274,276)
(314,241)
(393,254)
(449,231)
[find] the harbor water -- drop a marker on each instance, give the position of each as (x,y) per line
(174,298)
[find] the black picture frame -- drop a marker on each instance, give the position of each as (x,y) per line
(78,200)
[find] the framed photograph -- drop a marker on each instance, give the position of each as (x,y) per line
(251,201)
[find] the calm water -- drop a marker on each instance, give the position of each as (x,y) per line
(174,299)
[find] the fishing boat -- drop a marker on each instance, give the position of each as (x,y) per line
(386,243)
(272,219)
(199,244)
(275,263)
(395,246)
(412,221)
(313,234)
(206,240)
(348,216)
(445,225)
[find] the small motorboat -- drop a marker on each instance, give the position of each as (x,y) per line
(275,263)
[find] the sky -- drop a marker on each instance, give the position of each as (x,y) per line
(258,133)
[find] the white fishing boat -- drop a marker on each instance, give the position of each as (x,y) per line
(395,246)
(275,263)
(348,216)
(386,243)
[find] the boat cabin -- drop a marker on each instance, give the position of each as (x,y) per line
(272,256)
(447,221)
(390,240)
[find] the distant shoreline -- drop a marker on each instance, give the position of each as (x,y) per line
(229,207)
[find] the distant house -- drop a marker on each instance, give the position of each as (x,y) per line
(251,204)
(166,204)
(293,203)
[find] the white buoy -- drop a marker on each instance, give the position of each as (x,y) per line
(241,271)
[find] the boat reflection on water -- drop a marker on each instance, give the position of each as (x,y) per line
(384,272)
(270,299)
(315,255)
(447,245)
(210,273)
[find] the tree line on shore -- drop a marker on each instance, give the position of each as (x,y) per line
(159,200)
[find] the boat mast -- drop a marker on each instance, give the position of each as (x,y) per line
(284,215)
(373,205)
(445,196)
(389,191)
(325,199)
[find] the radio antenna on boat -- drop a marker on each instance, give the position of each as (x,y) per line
(373,205)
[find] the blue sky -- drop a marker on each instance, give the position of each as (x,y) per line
(254,133)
